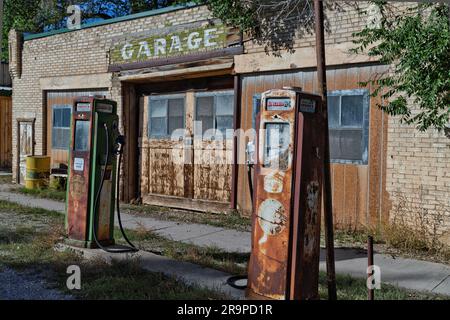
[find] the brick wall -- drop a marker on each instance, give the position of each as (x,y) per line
(341,24)
(418,177)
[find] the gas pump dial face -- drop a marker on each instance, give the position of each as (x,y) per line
(271,217)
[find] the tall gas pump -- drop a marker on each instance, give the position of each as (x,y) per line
(91,188)
(284,262)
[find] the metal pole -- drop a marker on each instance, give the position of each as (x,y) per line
(371,291)
(328,201)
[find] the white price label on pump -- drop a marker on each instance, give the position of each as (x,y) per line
(78,164)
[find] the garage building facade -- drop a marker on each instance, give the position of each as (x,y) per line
(175,68)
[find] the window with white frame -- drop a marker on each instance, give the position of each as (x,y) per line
(215,110)
(61,126)
(166,114)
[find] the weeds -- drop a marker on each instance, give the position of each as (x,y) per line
(415,229)
(412,230)
(47,193)
(25,247)
(5,178)
(212,257)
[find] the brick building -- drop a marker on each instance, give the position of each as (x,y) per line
(169,67)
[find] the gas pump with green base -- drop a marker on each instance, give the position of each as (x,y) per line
(94,155)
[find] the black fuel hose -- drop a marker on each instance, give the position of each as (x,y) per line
(97,197)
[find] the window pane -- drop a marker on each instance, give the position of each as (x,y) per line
(205,106)
(276,147)
(225,105)
(158,118)
(346,144)
(81,135)
(65,138)
(175,123)
(158,127)
(158,108)
(176,107)
(352,111)
(56,117)
(204,112)
(225,123)
(333,111)
(176,114)
(56,138)
(66,117)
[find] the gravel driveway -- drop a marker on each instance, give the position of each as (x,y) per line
(26,286)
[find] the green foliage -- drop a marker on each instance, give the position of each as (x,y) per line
(41,15)
(416,44)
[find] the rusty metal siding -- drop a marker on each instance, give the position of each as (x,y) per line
(5,132)
(359,191)
(5,78)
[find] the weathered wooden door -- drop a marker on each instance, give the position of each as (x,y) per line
(5,132)
(163,167)
(186,150)
(213,145)
(26,146)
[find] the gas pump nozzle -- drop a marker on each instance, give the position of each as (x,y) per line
(118,146)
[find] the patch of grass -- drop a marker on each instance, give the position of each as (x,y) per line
(28,248)
(229,220)
(126,280)
(236,263)
(397,237)
(6,206)
(24,247)
(5,179)
(212,257)
(46,193)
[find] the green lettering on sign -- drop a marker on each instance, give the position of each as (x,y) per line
(173,44)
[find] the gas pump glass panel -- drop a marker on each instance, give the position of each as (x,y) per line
(81,135)
(276,145)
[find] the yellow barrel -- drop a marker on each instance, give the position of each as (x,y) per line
(38,172)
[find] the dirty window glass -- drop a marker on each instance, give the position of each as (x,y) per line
(334,105)
(276,145)
(348,119)
(61,126)
(81,135)
(166,115)
(205,113)
(224,113)
(352,111)
(176,115)
(215,110)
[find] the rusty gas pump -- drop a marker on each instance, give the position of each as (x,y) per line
(284,262)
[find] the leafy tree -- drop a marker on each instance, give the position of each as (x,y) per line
(416,45)
(41,15)
(275,24)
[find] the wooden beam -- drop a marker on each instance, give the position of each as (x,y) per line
(176,60)
(236,126)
